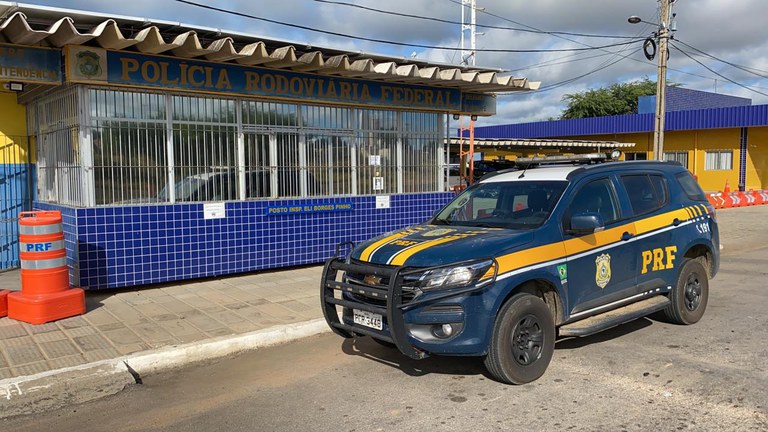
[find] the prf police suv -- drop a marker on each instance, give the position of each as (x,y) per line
(530,253)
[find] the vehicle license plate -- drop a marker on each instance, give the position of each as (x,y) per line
(368,319)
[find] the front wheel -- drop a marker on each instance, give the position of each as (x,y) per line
(688,298)
(523,340)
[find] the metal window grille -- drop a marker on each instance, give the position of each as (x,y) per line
(204,149)
(128,139)
(718,160)
(59,169)
(143,147)
(421,164)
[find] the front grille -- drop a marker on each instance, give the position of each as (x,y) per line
(375,278)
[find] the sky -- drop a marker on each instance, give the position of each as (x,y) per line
(732,31)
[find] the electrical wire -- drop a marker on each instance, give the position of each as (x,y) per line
(737,66)
(382,41)
(487,26)
(674,45)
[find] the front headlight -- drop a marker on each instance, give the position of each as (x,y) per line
(458,275)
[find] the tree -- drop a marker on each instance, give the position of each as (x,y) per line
(615,99)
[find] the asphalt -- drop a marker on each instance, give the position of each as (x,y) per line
(129,334)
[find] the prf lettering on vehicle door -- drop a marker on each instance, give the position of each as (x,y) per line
(662,259)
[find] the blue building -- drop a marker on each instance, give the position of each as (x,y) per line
(178,152)
(725,142)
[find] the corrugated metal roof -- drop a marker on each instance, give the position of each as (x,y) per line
(501,142)
(46,26)
(713,118)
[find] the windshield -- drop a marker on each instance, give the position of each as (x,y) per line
(515,205)
(183,189)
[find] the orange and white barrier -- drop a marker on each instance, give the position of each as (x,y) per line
(721,200)
(4,302)
(45,293)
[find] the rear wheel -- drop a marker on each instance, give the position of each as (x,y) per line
(689,296)
(523,340)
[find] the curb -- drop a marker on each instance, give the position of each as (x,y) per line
(74,385)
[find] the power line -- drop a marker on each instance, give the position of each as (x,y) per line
(737,66)
(382,41)
(674,45)
(576,78)
(488,26)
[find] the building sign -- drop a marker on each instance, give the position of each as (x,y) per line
(478,104)
(330,207)
(88,64)
(28,64)
(214,211)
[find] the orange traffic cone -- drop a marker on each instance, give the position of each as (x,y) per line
(727,187)
(4,302)
(45,294)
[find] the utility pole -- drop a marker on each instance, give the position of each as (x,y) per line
(661,80)
(468,56)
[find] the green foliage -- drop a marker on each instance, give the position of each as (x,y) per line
(613,100)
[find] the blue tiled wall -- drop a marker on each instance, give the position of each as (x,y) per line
(112,247)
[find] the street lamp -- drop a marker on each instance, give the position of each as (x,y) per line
(661,80)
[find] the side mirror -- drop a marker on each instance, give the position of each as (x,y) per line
(586,223)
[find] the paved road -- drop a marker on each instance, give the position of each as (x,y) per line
(646,375)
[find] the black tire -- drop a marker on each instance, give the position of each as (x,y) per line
(688,298)
(523,340)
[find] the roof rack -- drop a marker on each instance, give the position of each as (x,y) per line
(588,158)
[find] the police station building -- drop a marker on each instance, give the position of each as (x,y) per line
(177,152)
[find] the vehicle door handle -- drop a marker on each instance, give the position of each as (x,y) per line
(626,236)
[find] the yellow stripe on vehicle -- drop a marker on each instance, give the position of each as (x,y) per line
(401,257)
(366,255)
(558,250)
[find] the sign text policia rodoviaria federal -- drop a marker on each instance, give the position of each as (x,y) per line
(97,65)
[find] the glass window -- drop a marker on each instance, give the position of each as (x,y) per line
(690,186)
(646,192)
(596,197)
(718,160)
(516,205)
(681,157)
(204,149)
(128,139)
(290,150)
(636,156)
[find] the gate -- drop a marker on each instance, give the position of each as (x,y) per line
(16,179)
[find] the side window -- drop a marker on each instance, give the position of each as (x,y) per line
(690,186)
(596,197)
(646,192)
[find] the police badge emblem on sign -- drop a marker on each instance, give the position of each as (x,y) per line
(603,270)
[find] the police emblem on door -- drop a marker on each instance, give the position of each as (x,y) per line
(603,270)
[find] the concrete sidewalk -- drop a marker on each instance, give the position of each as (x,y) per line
(128,333)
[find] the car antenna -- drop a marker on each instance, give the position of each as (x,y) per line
(522,174)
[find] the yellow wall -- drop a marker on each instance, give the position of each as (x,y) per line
(757,160)
(13,130)
(696,144)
